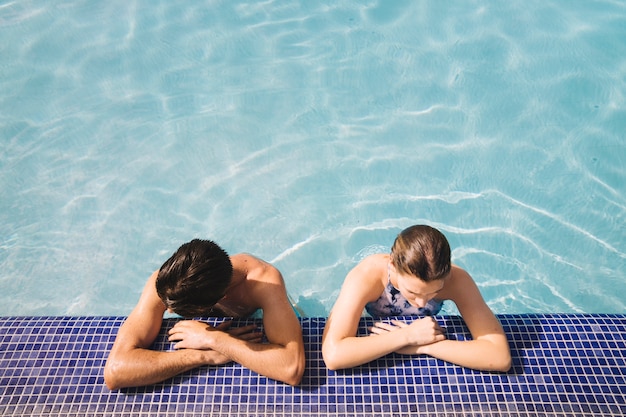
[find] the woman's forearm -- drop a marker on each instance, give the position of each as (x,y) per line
(354,351)
(484,355)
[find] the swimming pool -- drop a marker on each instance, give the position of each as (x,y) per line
(310,134)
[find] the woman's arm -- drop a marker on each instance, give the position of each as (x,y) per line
(341,348)
(489,349)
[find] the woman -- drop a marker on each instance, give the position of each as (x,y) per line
(413,280)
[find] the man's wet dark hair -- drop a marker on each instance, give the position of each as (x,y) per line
(194,278)
(422,251)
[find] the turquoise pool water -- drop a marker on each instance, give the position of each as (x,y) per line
(310,134)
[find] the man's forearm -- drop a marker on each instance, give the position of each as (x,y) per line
(141,367)
(278,362)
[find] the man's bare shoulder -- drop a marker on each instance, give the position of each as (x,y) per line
(256,269)
(149,297)
(263,286)
(246,257)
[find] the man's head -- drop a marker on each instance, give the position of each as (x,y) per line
(194,278)
(421,251)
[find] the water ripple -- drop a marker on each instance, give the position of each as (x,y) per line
(310,134)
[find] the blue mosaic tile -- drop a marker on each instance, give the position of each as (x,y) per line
(563,365)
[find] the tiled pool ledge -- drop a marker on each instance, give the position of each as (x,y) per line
(563,365)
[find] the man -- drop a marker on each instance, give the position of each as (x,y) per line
(200,279)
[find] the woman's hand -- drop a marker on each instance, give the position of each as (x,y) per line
(421,332)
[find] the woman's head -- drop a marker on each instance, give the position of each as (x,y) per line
(194,278)
(421,251)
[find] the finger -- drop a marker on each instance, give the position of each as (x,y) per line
(399,323)
(255,340)
(376,331)
(438,329)
(384,326)
(251,336)
(176,336)
(179,345)
(175,328)
(225,325)
(438,326)
(381,328)
(243,330)
(182,325)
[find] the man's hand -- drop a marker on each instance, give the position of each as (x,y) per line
(191,334)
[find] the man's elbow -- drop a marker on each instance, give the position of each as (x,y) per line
(295,372)
(294,378)
(111,376)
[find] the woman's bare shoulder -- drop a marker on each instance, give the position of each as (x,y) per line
(376,261)
(369,272)
(461,288)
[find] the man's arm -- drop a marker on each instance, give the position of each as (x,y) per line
(283,357)
(132,363)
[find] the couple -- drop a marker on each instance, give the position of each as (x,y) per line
(201,280)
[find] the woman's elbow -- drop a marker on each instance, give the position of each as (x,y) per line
(333,367)
(498,354)
(332,364)
(505,364)
(331,358)
(501,362)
